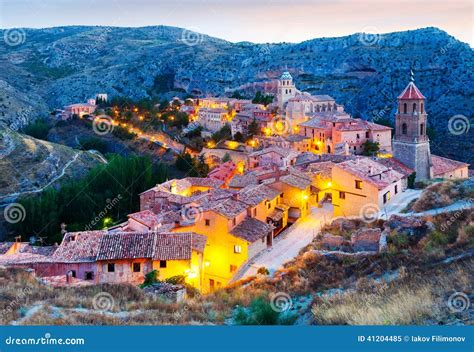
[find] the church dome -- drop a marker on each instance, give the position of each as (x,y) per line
(286,75)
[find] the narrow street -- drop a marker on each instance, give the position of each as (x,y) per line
(287,245)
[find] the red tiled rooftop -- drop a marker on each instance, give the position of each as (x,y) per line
(442,165)
(411,92)
(373,172)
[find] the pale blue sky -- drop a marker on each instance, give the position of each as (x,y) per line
(250,20)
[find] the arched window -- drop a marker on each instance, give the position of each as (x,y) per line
(404,128)
(414,107)
(405,108)
(422,108)
(422,129)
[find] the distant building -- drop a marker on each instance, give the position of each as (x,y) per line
(79,109)
(212,119)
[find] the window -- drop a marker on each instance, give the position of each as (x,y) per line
(233,268)
(358,136)
(422,108)
(386,197)
(404,128)
(73,273)
(269,205)
(422,129)
(254,212)
(162,263)
(342,195)
(396,189)
(237,249)
(367,134)
(281,195)
(405,108)
(207,222)
(111,267)
(234,222)
(136,267)
(89,275)
(211,284)
(358,184)
(72,238)
(414,107)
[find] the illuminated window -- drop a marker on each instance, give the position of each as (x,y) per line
(358,184)
(136,267)
(233,268)
(386,197)
(237,249)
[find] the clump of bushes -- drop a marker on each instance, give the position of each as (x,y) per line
(261,312)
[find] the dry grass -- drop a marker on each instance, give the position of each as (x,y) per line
(441,194)
(411,301)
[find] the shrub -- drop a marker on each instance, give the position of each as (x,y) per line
(150,279)
(38,129)
(263,271)
(260,312)
(176,280)
(88,143)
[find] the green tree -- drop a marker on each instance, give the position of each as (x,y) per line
(38,129)
(370,148)
(254,128)
(226,158)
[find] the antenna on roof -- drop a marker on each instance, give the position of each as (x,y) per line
(412,75)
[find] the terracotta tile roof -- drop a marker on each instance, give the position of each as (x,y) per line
(40,250)
(240,181)
(204,182)
(229,208)
(371,171)
(280,151)
(411,92)
(77,247)
(251,229)
(296,138)
(322,168)
(126,245)
(146,217)
(442,165)
(178,245)
(396,165)
(315,123)
(252,195)
(300,181)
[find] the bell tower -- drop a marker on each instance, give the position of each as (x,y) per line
(411,144)
(286,89)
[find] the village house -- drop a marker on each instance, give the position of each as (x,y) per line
(448,169)
(213,119)
(79,109)
(127,257)
(330,132)
(280,157)
(363,182)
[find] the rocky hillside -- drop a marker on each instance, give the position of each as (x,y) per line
(47,68)
(28,165)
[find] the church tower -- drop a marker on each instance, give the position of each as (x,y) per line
(286,89)
(411,145)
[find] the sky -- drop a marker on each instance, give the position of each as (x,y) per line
(258,21)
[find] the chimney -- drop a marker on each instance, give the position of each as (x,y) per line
(69,277)
(371,170)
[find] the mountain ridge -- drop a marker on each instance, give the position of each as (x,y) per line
(62,65)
